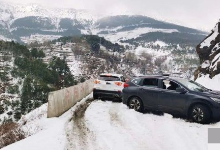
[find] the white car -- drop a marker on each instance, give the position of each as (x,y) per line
(109,86)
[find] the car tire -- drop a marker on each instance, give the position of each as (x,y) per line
(200,114)
(95,96)
(136,104)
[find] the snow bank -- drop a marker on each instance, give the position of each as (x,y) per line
(213,83)
(49,134)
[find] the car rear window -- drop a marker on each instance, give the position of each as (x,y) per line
(109,78)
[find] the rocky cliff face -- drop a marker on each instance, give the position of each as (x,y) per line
(209,54)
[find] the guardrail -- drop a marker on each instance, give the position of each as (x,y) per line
(61,101)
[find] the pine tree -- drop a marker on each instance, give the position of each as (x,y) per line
(26,95)
(59,67)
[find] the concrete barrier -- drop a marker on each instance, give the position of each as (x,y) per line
(62,100)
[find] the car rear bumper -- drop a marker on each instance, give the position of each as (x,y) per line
(107,94)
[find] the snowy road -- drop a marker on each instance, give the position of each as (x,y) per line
(110,126)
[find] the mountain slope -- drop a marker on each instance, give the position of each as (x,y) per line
(28,22)
(18,20)
(142,29)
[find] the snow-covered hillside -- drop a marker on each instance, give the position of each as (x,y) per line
(142,29)
(209,54)
(13,11)
(45,133)
(126,35)
(19,21)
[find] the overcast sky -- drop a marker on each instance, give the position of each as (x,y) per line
(200,14)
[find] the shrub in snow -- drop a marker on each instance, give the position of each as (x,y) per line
(10,132)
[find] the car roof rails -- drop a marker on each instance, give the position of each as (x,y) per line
(166,74)
(149,75)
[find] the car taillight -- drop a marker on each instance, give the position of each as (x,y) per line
(97,82)
(126,85)
(118,83)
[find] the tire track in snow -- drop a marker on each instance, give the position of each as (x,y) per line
(79,135)
(128,130)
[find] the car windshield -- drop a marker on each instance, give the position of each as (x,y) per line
(191,85)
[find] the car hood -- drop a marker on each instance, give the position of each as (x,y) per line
(215,94)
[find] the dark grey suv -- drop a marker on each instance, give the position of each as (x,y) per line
(172,95)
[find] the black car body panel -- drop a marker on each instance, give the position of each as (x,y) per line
(170,101)
(107,94)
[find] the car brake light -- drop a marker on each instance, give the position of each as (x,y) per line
(118,83)
(126,85)
(97,82)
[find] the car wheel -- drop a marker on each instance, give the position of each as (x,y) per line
(136,104)
(200,114)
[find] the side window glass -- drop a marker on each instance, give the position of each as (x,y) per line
(170,85)
(150,82)
(136,81)
(122,79)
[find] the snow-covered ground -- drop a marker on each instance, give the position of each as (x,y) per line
(213,83)
(109,125)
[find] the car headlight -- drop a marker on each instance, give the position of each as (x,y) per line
(215,99)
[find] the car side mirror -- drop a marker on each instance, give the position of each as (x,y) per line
(181,90)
